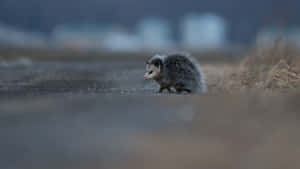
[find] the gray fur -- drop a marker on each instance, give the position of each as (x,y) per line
(179,71)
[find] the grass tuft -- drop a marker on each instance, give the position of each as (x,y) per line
(269,67)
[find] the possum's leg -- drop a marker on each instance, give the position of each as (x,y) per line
(179,87)
(161,89)
(169,90)
(179,90)
(187,90)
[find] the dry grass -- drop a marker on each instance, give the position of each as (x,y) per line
(273,68)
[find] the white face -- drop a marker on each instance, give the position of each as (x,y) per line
(151,71)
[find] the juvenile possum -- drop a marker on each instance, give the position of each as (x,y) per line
(178,71)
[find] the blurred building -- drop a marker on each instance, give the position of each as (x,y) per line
(95,37)
(13,37)
(121,40)
(77,36)
(155,33)
(203,31)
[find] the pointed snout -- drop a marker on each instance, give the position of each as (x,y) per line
(146,76)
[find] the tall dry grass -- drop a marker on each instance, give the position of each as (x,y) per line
(270,67)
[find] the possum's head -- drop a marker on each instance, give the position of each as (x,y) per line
(153,68)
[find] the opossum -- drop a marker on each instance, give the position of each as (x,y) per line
(178,71)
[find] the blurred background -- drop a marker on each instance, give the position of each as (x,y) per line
(135,25)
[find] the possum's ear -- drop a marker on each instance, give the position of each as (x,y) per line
(157,63)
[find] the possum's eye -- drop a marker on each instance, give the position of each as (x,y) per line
(150,72)
(156,64)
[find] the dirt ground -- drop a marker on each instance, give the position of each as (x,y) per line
(80,131)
